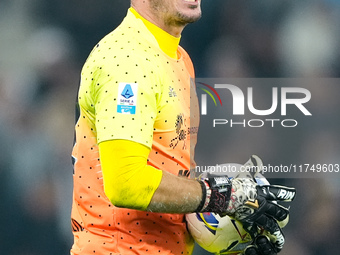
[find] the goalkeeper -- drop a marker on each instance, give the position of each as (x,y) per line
(136,133)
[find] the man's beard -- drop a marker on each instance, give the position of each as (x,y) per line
(181,19)
(177,19)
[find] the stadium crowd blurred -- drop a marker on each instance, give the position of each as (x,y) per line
(43,45)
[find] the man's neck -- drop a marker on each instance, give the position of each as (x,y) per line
(156,19)
(167,42)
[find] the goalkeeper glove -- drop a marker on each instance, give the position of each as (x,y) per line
(253,205)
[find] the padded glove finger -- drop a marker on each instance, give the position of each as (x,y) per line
(264,246)
(277,192)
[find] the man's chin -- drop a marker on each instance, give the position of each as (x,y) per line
(184,18)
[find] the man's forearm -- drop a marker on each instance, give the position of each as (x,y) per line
(176,195)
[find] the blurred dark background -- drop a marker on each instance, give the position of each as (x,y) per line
(43,45)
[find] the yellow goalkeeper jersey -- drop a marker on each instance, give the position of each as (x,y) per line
(131,89)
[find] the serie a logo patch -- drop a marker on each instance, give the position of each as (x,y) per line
(127,98)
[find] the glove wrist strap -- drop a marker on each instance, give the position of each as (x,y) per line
(216,194)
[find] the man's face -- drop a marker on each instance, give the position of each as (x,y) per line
(177,12)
